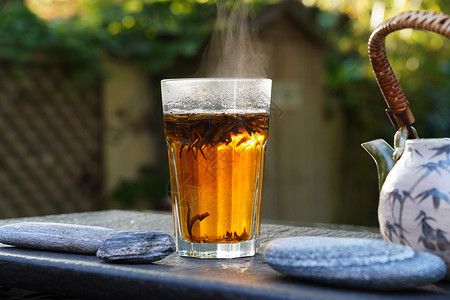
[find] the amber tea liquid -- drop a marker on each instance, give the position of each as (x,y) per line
(216,166)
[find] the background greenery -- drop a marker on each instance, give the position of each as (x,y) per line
(160,33)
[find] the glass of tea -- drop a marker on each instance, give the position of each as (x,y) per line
(216,131)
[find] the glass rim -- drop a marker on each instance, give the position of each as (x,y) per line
(216,79)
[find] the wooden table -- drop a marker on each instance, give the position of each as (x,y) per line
(86,277)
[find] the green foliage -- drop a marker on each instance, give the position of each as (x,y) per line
(150,186)
(155,34)
(21,32)
(420,62)
(152,33)
(22,35)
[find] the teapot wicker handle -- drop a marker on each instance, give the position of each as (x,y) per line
(387,81)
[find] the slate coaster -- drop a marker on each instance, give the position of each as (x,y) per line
(353,262)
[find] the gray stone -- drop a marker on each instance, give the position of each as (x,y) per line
(54,236)
(353,262)
(136,247)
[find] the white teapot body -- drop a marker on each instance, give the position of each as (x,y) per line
(414,206)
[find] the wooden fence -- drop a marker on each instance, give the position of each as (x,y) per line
(50,141)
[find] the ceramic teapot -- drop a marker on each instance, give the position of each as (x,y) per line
(414,176)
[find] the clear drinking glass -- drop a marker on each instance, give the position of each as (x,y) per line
(216,131)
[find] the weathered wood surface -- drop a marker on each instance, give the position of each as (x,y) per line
(174,277)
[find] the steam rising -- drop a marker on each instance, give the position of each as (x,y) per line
(234,50)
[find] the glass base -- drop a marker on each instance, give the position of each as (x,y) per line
(207,250)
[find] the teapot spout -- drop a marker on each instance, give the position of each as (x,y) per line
(381,153)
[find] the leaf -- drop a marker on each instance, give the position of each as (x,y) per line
(406,194)
(435,194)
(395,196)
(443,245)
(427,243)
(389,230)
(430,167)
(421,214)
(441,150)
(440,236)
(441,241)
(427,230)
(444,164)
(418,153)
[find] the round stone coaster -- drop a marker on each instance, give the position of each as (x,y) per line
(353,262)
